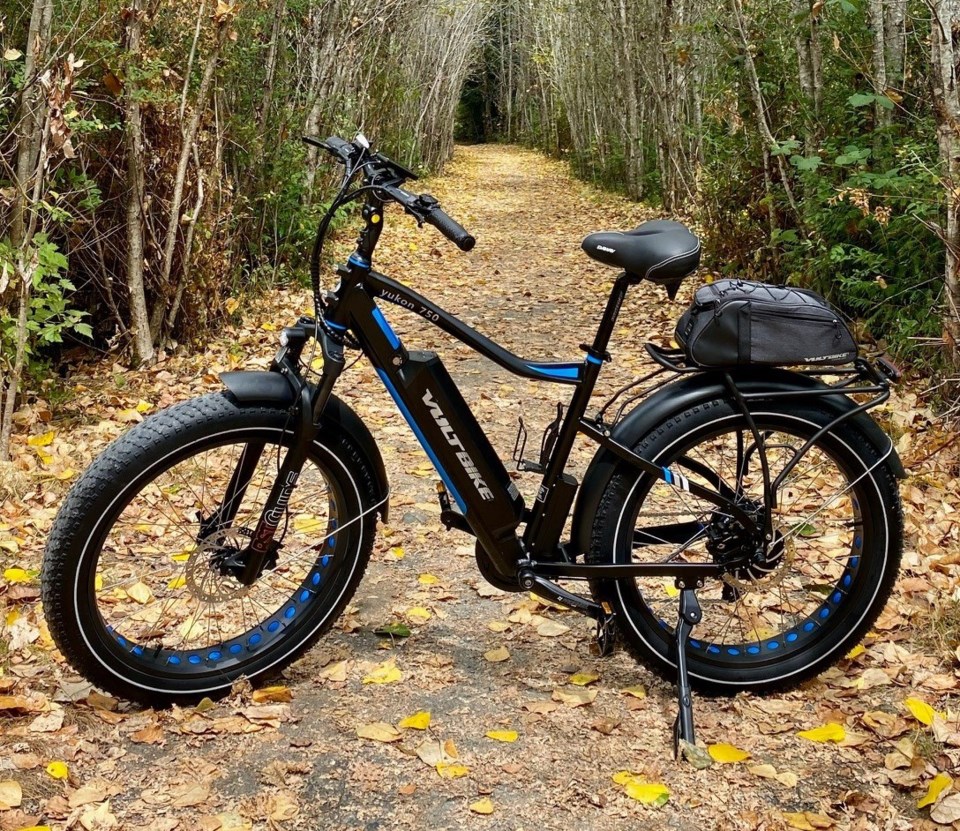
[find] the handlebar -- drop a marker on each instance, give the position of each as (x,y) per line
(385,176)
(451,229)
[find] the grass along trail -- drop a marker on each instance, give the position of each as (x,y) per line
(478,660)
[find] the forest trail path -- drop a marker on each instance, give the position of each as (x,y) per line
(300,764)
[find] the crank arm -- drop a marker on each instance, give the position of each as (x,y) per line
(542,587)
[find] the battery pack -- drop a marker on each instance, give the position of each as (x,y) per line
(463,455)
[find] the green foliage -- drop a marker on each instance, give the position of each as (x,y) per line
(50,314)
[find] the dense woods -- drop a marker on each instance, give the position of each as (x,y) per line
(152,177)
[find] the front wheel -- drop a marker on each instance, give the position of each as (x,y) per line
(837,539)
(138,590)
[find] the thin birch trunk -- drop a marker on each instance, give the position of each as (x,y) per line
(945,59)
(29,178)
(143,351)
(189,136)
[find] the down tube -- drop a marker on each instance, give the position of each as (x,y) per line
(441,419)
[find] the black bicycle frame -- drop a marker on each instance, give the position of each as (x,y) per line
(457,445)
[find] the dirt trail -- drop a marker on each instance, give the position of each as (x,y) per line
(530,287)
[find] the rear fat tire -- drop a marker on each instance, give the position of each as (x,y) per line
(117,476)
(882,516)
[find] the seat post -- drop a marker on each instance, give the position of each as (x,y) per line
(604,332)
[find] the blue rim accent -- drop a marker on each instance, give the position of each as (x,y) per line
(592,360)
(797,635)
(249,641)
(385,327)
(357,260)
(571,371)
(422,439)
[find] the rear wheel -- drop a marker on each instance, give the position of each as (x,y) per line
(827,575)
(137,588)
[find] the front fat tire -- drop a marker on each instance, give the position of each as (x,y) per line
(651,645)
(86,516)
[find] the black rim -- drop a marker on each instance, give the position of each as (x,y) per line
(304,585)
(810,597)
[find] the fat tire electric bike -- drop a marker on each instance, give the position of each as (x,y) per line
(221,537)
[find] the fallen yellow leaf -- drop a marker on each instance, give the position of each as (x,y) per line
(581,679)
(177,582)
(335,672)
(43,440)
(495,656)
(277,694)
(418,721)
(649,793)
(831,732)
(143,406)
(637,691)
(418,613)
(921,711)
(385,673)
(11,794)
(859,649)
(140,592)
(502,735)
(16,575)
(726,753)
(482,806)
(451,770)
(58,770)
(937,786)
(379,731)
(624,777)
(397,552)
(428,579)
(798,821)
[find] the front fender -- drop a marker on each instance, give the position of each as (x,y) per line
(687,392)
(250,388)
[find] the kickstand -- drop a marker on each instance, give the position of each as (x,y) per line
(690,615)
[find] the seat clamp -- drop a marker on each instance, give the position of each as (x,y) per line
(593,353)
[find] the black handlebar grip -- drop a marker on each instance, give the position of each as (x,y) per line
(451,229)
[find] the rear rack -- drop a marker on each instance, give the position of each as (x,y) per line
(870,375)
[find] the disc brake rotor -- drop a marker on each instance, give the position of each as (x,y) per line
(751,578)
(205,580)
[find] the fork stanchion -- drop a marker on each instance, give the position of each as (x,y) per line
(689,615)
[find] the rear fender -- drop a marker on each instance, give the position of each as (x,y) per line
(251,388)
(687,392)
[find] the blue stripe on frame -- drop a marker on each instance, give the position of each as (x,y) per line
(422,439)
(571,371)
(386,329)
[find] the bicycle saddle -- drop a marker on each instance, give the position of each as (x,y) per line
(660,250)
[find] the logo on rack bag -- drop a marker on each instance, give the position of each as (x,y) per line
(454,441)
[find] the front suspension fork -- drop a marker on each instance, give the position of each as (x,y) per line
(309,407)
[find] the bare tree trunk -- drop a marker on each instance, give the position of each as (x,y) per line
(895,37)
(760,106)
(28,185)
(189,136)
(133,138)
(875,16)
(945,56)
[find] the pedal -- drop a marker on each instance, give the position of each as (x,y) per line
(606,636)
(449,518)
(443,498)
